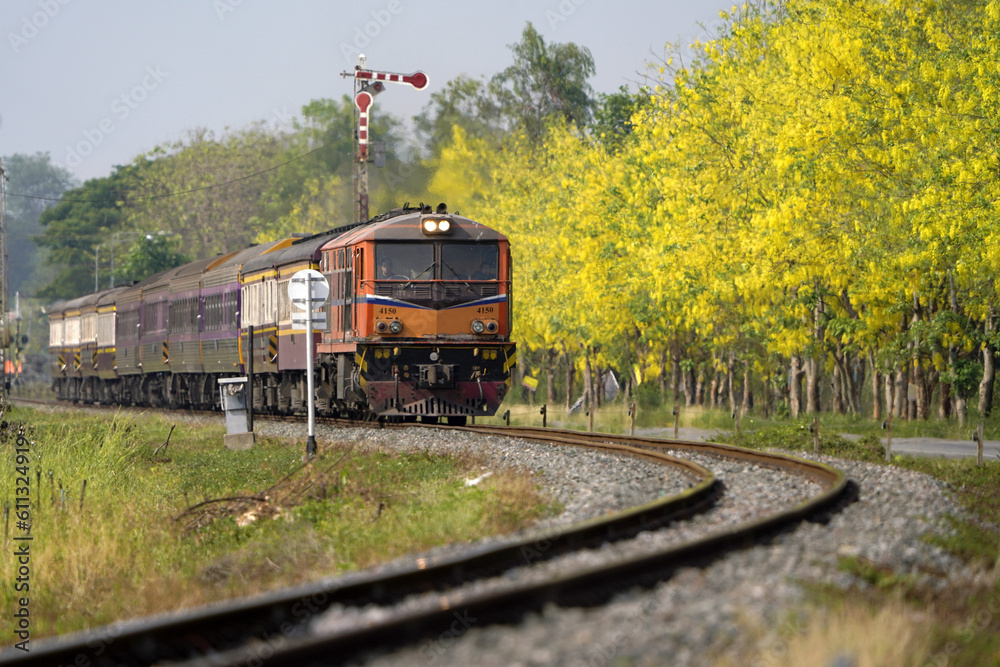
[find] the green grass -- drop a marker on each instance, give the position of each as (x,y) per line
(134,547)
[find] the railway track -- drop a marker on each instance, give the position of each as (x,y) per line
(282,626)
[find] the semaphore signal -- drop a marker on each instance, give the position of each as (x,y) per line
(368,84)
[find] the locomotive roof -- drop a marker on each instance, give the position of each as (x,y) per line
(407,227)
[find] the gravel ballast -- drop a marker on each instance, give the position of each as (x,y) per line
(713,611)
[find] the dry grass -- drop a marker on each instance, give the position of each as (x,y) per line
(137,547)
(852,634)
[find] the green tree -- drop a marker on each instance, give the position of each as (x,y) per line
(150,254)
(207,190)
(72,230)
(544,80)
(463,103)
(614,114)
(34,183)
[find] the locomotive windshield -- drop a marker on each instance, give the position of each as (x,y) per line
(419,261)
(404,261)
(468,261)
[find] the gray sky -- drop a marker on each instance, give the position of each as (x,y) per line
(97,82)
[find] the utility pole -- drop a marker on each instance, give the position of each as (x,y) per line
(368,84)
(5,326)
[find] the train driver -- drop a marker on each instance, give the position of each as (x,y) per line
(487,270)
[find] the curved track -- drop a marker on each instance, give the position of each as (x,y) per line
(277,626)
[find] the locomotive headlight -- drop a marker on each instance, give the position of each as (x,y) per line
(381,326)
(491,326)
(478,327)
(436,226)
(395,326)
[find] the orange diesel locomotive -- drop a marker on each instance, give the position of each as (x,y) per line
(418,321)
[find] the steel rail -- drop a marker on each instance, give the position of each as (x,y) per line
(586,587)
(229,626)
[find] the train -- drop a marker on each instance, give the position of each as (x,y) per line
(417,326)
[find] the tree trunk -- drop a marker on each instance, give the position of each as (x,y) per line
(920,383)
(675,378)
(699,385)
(889,393)
(550,384)
(814,362)
(570,377)
(989,370)
(795,374)
(959,403)
(689,397)
(945,408)
(857,383)
(812,386)
(676,372)
(901,399)
(713,388)
(730,383)
(629,366)
(876,381)
(747,392)
(838,383)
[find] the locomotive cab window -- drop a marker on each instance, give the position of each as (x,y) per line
(404,261)
(469,261)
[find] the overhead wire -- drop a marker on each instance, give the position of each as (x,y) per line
(173,194)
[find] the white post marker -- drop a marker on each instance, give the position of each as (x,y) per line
(307,290)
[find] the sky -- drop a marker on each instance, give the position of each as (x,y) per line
(96,83)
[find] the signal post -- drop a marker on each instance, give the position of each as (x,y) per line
(367,84)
